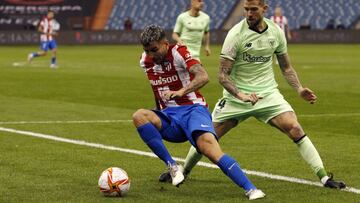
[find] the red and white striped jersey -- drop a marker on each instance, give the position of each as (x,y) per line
(48,27)
(280,21)
(173,74)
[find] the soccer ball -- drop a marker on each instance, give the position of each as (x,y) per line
(114,182)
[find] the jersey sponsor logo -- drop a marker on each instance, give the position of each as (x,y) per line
(249,58)
(165,80)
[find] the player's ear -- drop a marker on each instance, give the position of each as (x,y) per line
(166,42)
(265,7)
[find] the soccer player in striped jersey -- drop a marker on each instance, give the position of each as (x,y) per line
(175,78)
(250,89)
(48,27)
(281,21)
(192,26)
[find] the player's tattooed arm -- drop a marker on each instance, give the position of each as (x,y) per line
(288,71)
(225,80)
(224,76)
(200,79)
(292,78)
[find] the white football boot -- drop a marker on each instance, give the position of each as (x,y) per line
(53,66)
(255,194)
(177,176)
(29,58)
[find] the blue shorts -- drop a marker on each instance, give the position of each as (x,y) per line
(46,45)
(185,123)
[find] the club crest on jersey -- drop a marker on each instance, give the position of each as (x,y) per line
(272,42)
(167,66)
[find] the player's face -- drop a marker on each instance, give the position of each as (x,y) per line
(197,4)
(254,12)
(157,50)
(50,15)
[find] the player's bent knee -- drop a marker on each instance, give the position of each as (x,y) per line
(295,131)
(140,116)
(209,147)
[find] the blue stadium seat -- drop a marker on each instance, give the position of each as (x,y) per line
(317,13)
(164,12)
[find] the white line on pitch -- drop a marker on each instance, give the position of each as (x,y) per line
(64,122)
(127,121)
(330,115)
(142,153)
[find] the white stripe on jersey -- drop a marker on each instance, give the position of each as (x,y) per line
(48,28)
(185,76)
(280,21)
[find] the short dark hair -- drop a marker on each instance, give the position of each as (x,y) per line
(152,33)
(263,2)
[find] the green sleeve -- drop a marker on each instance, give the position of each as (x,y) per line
(230,46)
(207,28)
(282,48)
(178,25)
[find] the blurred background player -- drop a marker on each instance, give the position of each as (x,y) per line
(281,21)
(192,27)
(48,27)
(250,89)
(183,114)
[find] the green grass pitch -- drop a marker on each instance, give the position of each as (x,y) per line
(106,83)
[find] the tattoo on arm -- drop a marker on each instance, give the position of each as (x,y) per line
(224,76)
(288,71)
(200,78)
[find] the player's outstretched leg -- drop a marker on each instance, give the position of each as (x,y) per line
(144,121)
(209,146)
(312,157)
(287,122)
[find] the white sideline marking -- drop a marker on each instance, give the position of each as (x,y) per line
(125,121)
(330,114)
(142,153)
(64,122)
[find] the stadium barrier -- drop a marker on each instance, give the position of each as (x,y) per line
(132,37)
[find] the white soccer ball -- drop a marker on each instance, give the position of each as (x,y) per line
(114,182)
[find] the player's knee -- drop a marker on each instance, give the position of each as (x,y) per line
(139,116)
(208,146)
(295,130)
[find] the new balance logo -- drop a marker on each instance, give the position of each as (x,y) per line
(248,45)
(204,126)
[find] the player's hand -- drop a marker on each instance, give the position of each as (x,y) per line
(170,95)
(207,51)
(253,98)
(307,94)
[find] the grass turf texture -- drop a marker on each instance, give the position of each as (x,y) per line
(106,83)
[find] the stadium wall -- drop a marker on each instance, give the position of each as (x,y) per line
(131,37)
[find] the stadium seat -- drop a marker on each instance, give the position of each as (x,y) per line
(317,13)
(164,12)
